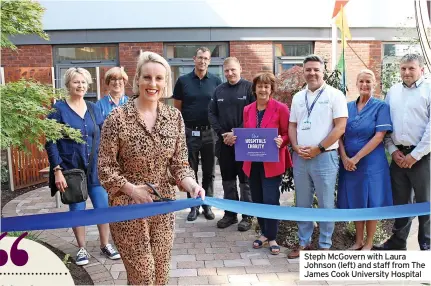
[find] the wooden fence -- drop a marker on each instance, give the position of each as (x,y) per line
(26,167)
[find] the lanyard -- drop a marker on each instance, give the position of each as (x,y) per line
(309,109)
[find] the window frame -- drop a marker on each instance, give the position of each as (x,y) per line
(394,60)
(75,62)
(189,61)
(58,65)
(177,62)
(289,59)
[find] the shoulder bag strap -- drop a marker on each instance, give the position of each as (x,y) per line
(93,147)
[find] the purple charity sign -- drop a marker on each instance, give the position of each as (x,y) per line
(256,144)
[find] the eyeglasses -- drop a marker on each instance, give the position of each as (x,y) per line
(116,79)
(202,59)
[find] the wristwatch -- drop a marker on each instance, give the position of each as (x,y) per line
(58,168)
(321,148)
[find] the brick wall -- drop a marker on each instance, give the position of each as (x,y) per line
(128,58)
(254,57)
(358,55)
(27,56)
(40,74)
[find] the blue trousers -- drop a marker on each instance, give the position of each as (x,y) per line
(98,196)
(319,176)
(265,191)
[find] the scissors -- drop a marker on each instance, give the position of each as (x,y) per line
(156,193)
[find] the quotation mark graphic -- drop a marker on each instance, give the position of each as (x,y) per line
(19,257)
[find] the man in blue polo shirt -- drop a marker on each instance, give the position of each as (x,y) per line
(192,94)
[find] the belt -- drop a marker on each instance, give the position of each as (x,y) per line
(329,150)
(405,149)
(199,127)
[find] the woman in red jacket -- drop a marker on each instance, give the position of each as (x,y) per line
(265,177)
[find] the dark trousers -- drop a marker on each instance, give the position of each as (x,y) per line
(230,170)
(265,191)
(403,181)
(203,145)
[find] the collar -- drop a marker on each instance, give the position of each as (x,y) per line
(111,101)
(416,84)
(317,90)
(195,75)
(369,99)
(235,83)
(132,111)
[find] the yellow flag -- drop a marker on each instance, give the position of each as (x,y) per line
(341,22)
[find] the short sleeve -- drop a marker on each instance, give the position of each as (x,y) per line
(339,106)
(219,82)
(383,119)
(293,108)
(178,90)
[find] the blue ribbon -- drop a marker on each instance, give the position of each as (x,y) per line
(94,216)
(122,213)
(314,214)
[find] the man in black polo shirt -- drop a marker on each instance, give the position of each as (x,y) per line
(225,113)
(192,94)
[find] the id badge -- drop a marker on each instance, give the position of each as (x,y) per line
(196,133)
(306,125)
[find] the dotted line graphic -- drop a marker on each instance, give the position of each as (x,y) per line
(34,273)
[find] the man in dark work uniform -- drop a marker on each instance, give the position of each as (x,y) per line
(192,94)
(225,113)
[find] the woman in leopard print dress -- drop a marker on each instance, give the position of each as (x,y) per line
(142,142)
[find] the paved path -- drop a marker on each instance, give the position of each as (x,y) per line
(202,253)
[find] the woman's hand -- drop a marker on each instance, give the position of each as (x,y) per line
(197,191)
(349,163)
(60,181)
(141,194)
(278,141)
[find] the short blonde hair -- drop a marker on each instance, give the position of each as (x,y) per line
(150,57)
(72,72)
(230,60)
(116,72)
(367,71)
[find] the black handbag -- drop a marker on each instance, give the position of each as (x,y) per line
(76,179)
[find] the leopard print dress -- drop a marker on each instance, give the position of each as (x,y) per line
(129,152)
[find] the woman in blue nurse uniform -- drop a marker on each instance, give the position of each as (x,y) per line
(364,180)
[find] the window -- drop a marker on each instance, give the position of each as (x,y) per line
(180,57)
(88,57)
(89,53)
(392,53)
(289,54)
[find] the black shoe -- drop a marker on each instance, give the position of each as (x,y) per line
(245,224)
(227,221)
(193,215)
(208,213)
(387,246)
